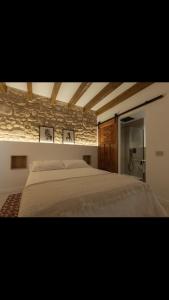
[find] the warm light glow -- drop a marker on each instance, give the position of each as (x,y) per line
(11,139)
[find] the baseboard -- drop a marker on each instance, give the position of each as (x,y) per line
(11,190)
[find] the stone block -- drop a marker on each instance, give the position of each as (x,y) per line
(5,109)
(20,118)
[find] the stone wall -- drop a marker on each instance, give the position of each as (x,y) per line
(21,117)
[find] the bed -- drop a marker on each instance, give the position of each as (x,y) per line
(77,190)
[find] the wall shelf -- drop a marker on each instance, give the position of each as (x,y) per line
(18,162)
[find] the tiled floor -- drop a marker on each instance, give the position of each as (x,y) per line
(4,196)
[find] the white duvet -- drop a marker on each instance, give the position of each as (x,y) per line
(87,192)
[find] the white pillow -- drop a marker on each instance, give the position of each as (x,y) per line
(73,164)
(47,165)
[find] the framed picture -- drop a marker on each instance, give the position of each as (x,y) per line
(46,134)
(68,136)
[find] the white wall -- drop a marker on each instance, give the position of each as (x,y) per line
(157,139)
(14,180)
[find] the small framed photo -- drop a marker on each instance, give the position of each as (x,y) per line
(68,136)
(46,134)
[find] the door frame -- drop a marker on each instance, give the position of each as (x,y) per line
(119,131)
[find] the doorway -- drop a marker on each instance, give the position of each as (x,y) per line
(133,145)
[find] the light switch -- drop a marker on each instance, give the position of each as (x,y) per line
(159,153)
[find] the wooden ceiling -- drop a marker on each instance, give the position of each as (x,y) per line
(29,87)
(55,91)
(95,93)
(79,93)
(124,96)
(110,87)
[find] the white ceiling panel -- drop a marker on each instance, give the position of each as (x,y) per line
(18,85)
(42,88)
(92,91)
(39,88)
(114,94)
(67,90)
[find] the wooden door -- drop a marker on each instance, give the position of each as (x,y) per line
(108,145)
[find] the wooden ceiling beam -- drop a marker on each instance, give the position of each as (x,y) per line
(109,88)
(55,92)
(29,87)
(139,86)
(3,87)
(80,91)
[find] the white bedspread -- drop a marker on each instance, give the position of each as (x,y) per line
(87,192)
